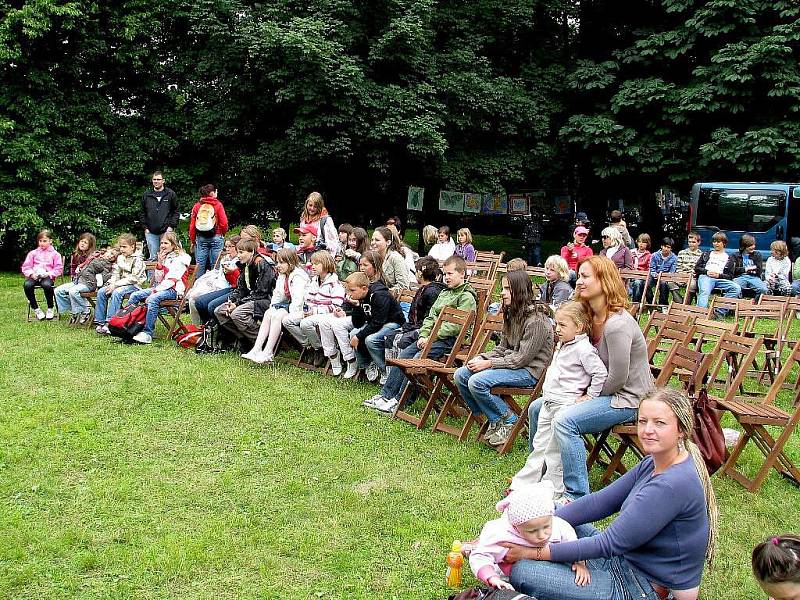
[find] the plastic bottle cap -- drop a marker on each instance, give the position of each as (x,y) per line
(456,546)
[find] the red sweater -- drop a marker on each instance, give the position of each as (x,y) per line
(219,210)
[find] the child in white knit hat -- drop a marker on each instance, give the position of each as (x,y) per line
(527,520)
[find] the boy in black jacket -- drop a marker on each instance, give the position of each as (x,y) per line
(248,301)
(714,269)
(748,269)
(375,313)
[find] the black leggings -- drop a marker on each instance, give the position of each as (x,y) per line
(46,284)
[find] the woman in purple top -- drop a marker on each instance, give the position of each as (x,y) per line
(664,532)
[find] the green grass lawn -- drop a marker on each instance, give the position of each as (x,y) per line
(151,472)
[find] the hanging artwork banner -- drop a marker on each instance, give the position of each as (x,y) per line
(519,204)
(494,204)
(451,201)
(472,203)
(415,198)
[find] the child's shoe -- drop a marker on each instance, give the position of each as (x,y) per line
(73,319)
(49,314)
(370,402)
(143,338)
(253,355)
(103,330)
(372,372)
(501,435)
(39,314)
(85,316)
(387,406)
(352,369)
(336,365)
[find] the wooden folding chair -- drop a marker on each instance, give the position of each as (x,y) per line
(754,417)
(679,279)
(765,322)
(629,275)
(481,270)
(668,335)
(487,255)
(708,331)
(733,358)
(658,318)
(730,304)
(421,373)
(690,367)
(689,310)
(175,308)
(508,394)
(91,298)
(484,287)
(454,405)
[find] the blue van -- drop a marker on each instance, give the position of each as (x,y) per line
(767,211)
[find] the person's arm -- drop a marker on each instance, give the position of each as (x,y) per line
(174,214)
(654,506)
(57,268)
(796,270)
(175,271)
(758,260)
(728,271)
(401,274)
(469,253)
(380,315)
(192,223)
(538,332)
(627,258)
(619,340)
(561,293)
(465,302)
(672,263)
(700,265)
(597,372)
(27,264)
(222,220)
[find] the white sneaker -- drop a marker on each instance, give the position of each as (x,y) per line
(49,315)
(253,355)
(143,338)
(372,372)
(387,406)
(39,314)
(370,402)
(383,377)
(336,365)
(352,369)
(103,330)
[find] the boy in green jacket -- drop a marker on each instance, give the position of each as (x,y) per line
(458,294)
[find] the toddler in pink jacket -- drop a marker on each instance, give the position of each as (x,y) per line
(527,520)
(41,268)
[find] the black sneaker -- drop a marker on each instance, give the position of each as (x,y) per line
(84,317)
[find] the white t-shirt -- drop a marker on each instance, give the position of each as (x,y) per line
(716,262)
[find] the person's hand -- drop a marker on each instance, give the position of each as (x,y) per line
(146,230)
(338,312)
(570,245)
(582,575)
(192,247)
(517,552)
(479,364)
(583,398)
(228,267)
(499,583)
(421,342)
(713,274)
(354,342)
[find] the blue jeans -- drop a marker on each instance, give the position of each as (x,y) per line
(397,380)
(153,299)
(635,290)
(107,308)
(208,303)
(796,288)
(375,345)
(706,285)
(612,579)
(592,416)
(69,299)
(753,283)
(206,252)
(153,241)
(476,389)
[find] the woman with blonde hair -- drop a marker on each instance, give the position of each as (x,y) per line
(615,249)
(316,215)
(623,350)
(664,535)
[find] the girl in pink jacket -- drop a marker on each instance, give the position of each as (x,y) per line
(41,268)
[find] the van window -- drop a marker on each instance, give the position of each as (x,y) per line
(741,210)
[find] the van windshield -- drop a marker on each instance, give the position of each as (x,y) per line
(740,210)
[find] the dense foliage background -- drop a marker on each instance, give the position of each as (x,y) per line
(604,98)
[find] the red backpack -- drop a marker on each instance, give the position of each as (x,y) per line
(128,322)
(189,336)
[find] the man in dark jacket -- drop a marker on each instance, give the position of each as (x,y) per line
(158,213)
(250,299)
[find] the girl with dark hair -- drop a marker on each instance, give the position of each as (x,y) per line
(776,566)
(395,273)
(519,360)
(208,225)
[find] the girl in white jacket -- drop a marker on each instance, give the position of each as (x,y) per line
(172,274)
(287,300)
(575,375)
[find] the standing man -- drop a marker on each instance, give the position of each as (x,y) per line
(532,238)
(158,213)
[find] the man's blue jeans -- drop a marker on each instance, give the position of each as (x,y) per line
(397,380)
(153,241)
(592,416)
(108,305)
(753,283)
(153,299)
(375,344)
(706,285)
(476,389)
(206,251)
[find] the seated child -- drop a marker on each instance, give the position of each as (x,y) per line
(127,275)
(171,273)
(527,519)
(347,261)
(444,247)
(557,289)
(323,295)
(307,236)
(287,300)
(515,264)
(375,313)
(458,294)
(96,271)
(576,374)
(778,267)
(464,248)
(249,300)
(345,229)
(41,268)
(279,240)
(84,249)
(641,262)
(662,262)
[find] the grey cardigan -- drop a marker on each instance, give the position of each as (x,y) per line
(623,350)
(530,348)
(396,275)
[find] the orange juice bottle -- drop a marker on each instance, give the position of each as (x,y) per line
(454,563)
